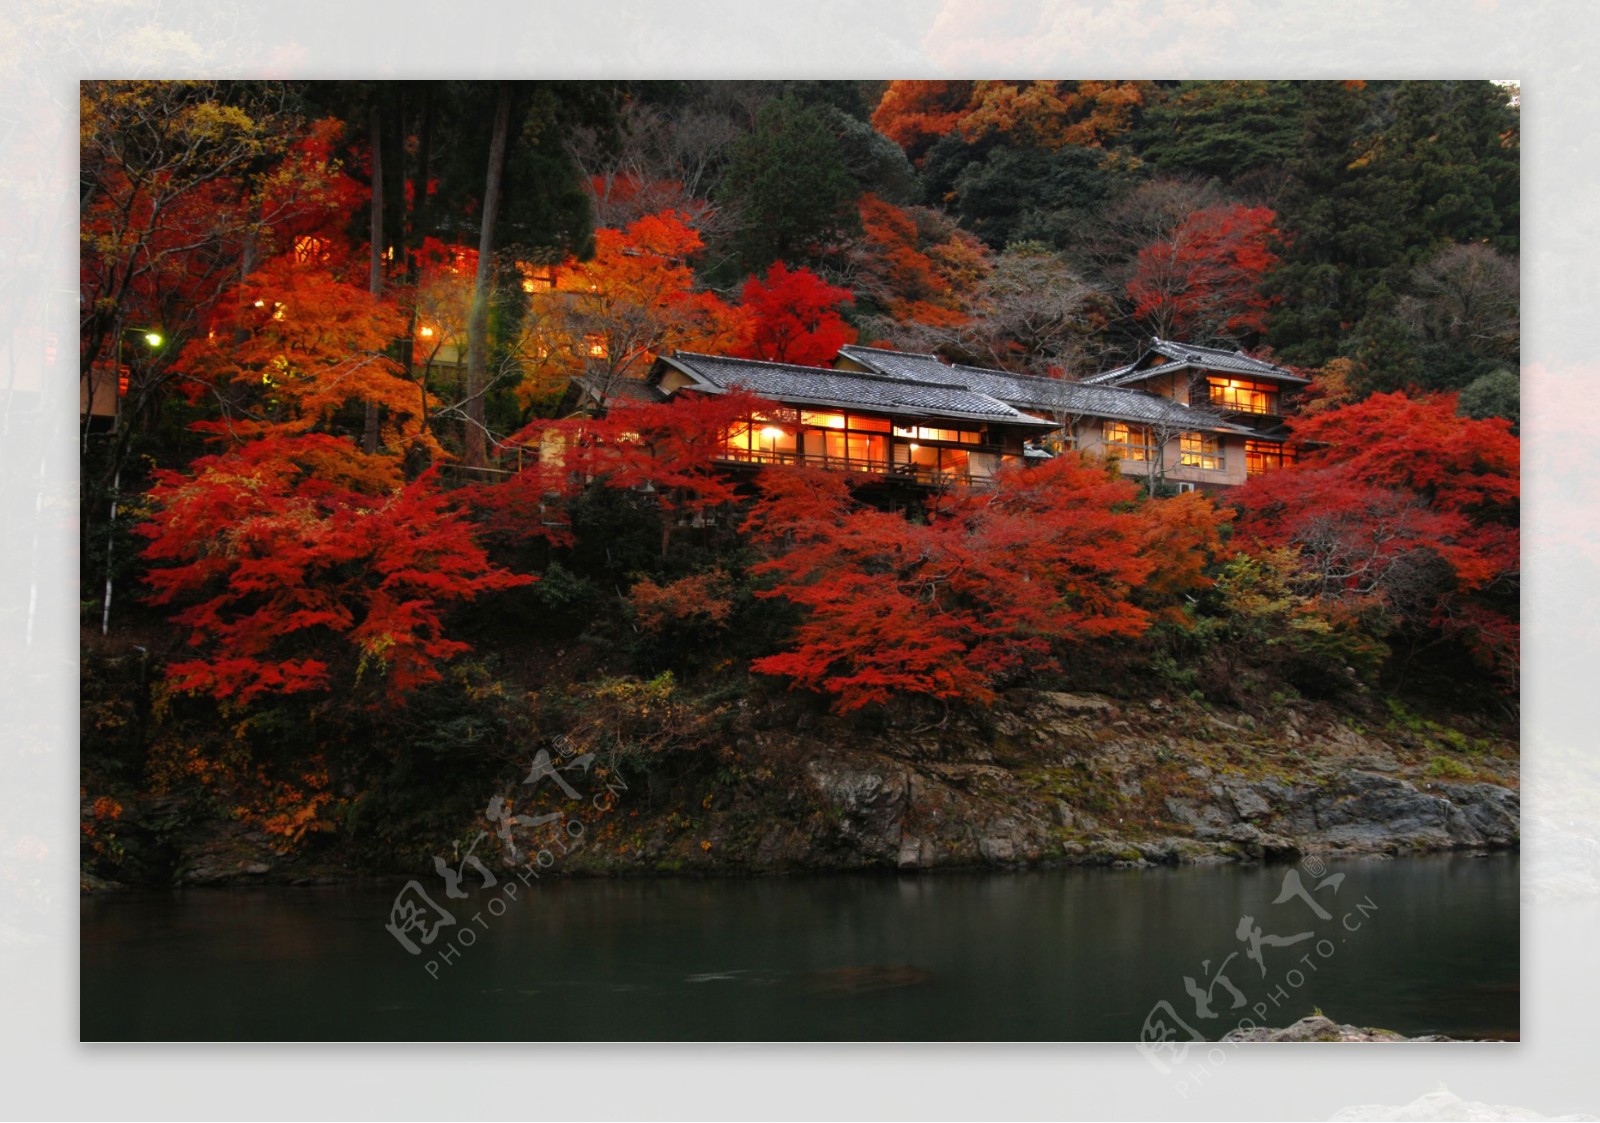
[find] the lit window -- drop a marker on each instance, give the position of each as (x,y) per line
(539,278)
(822,420)
(308,249)
(869,424)
(929,433)
(1261,457)
(1126,442)
(596,346)
(1243,397)
(1200,450)
(425,331)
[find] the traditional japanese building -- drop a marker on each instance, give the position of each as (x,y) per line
(1198,446)
(927,430)
(1192,417)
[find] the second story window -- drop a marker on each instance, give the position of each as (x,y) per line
(1242,396)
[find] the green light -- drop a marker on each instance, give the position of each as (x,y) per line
(153,338)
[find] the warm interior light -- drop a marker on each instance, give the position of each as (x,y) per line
(426,333)
(261,304)
(836,422)
(914,446)
(772,432)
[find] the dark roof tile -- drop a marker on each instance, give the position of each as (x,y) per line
(1182,355)
(847,389)
(1054,396)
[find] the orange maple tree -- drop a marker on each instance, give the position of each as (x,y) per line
(609,317)
(914,114)
(917,264)
(291,538)
(1052,114)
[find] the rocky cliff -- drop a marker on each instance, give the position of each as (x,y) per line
(1041,778)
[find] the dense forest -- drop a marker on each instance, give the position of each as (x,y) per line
(332,593)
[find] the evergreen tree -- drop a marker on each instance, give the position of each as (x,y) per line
(1222,129)
(789,187)
(1387,175)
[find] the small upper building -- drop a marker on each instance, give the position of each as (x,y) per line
(1253,393)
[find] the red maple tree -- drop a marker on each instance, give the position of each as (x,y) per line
(291,537)
(672,451)
(1203,282)
(1402,505)
(280,570)
(994,581)
(794,317)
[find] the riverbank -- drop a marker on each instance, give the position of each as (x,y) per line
(1320,1028)
(1042,779)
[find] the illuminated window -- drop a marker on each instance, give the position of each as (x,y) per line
(822,420)
(538,278)
(1200,450)
(1261,457)
(928,433)
(595,345)
(931,461)
(758,440)
(425,331)
(869,424)
(1126,442)
(308,249)
(1243,397)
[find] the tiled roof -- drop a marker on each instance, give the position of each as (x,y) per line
(1181,355)
(847,389)
(1031,392)
(632,389)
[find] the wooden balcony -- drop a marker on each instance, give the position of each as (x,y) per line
(911,473)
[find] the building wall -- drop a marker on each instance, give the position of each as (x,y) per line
(1090,439)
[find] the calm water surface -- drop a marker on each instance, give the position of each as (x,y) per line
(1418,945)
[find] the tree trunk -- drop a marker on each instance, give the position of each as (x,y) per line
(478,322)
(369,429)
(416,231)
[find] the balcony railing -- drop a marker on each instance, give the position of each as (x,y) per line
(1266,408)
(913,472)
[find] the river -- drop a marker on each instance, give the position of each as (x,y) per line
(1416,945)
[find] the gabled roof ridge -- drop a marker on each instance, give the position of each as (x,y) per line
(892,351)
(801,368)
(1157,343)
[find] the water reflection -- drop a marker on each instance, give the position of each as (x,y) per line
(1047,955)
